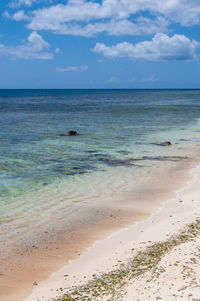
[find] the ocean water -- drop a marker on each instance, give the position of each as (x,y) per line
(44,175)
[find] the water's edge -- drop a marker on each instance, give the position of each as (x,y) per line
(48,287)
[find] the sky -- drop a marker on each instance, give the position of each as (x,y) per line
(99,44)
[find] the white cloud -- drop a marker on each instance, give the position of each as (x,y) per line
(17,3)
(160,48)
(111,27)
(152,78)
(82,18)
(18,16)
(87,18)
(133,79)
(72,68)
(34,48)
(112,79)
(57,50)
(114,27)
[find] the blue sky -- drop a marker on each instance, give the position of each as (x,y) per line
(100,44)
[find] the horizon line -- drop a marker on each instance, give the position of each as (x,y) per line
(1,89)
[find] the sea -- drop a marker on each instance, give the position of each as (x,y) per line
(46,177)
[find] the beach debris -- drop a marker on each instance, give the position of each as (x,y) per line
(70,133)
(35,283)
(166,143)
(112,284)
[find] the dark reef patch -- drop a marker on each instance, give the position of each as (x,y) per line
(117,162)
(162,158)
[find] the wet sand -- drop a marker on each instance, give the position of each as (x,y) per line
(175,276)
(28,262)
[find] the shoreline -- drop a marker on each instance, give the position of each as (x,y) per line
(60,197)
(118,212)
(102,254)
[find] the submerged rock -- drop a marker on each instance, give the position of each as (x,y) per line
(117,162)
(163,158)
(166,143)
(70,133)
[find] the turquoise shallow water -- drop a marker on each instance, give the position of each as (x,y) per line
(118,135)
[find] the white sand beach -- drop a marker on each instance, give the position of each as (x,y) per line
(175,277)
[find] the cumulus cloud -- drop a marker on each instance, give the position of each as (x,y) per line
(152,78)
(81,16)
(34,48)
(141,26)
(57,50)
(160,48)
(113,27)
(17,3)
(132,79)
(112,79)
(72,68)
(18,16)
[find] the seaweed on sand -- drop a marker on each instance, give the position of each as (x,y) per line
(111,285)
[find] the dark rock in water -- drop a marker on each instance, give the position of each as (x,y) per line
(184,140)
(166,143)
(91,151)
(70,133)
(101,155)
(124,152)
